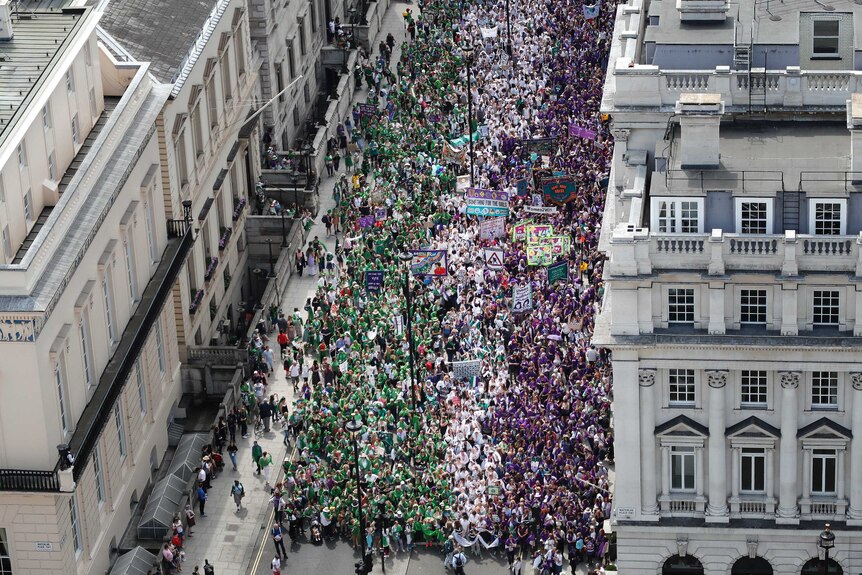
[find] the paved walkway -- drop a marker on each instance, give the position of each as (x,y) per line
(231,540)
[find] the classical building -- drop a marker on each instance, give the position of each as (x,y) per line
(733,300)
(88,341)
(210,153)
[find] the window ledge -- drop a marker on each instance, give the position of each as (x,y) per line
(825,57)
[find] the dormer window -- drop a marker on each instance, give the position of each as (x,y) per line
(677,215)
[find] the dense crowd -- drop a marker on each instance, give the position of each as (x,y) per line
(515,457)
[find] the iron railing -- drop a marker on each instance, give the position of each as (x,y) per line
(29,480)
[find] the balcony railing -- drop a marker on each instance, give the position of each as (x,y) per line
(645,85)
(113,379)
(637,251)
(28,480)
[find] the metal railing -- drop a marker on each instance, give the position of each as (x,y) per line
(742,180)
(29,480)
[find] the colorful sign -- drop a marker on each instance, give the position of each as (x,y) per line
(539,254)
(429,263)
(541,210)
(560,190)
(380,214)
(558,272)
(365,221)
(521,188)
(487,202)
(535,232)
(519,231)
(374,281)
(579,132)
(468,369)
(368,110)
(544,146)
(492,228)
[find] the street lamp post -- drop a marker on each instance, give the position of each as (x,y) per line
(407,257)
(353,427)
(271,266)
(468,58)
(826,542)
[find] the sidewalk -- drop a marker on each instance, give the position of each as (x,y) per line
(229,539)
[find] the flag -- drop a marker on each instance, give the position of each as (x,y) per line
(592,12)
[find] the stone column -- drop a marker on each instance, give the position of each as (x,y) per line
(717,510)
(788,510)
(646,381)
(665,470)
(854,514)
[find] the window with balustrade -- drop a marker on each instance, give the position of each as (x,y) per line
(682,469)
(752,468)
(827,217)
(677,215)
(753,215)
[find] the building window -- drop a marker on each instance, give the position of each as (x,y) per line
(824,389)
(151,229)
(75,134)
(681,387)
(823,471)
(225,77)
(60,378)
(2,191)
(291,64)
(121,430)
(130,268)
(46,117)
(97,471)
(70,81)
(5,555)
(279,81)
(52,166)
(827,217)
(302,47)
(212,102)
(77,539)
(108,295)
(826,307)
(239,47)
(295,117)
(752,306)
(86,349)
(7,243)
(677,215)
(753,388)
(680,305)
(28,206)
(753,470)
(160,347)
(825,38)
(22,155)
(682,468)
(197,132)
(182,160)
(142,389)
(313,9)
(93,109)
(753,216)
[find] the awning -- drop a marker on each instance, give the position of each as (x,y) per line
(162,505)
(138,561)
(187,457)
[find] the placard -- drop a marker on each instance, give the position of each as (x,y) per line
(429,263)
(537,231)
(539,254)
(492,228)
(541,210)
(470,368)
(522,298)
(519,231)
(579,132)
(558,272)
(374,281)
(494,258)
(380,214)
(482,202)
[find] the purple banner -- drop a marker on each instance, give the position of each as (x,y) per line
(579,132)
(366,221)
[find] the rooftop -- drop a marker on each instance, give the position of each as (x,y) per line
(162,32)
(39,37)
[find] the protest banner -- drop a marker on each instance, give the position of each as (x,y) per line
(482,202)
(558,272)
(379,214)
(365,221)
(522,298)
(579,132)
(429,263)
(368,110)
(470,368)
(494,258)
(537,231)
(541,210)
(539,254)
(373,281)
(560,190)
(521,188)
(544,146)
(519,231)
(492,228)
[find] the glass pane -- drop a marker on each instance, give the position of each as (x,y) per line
(759,473)
(829,475)
(826,27)
(689,471)
(746,473)
(817,475)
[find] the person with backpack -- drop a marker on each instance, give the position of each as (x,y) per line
(238,492)
(208,569)
(458,562)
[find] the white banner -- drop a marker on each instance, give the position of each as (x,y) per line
(489,32)
(522,298)
(482,537)
(544,210)
(492,228)
(466,369)
(494,258)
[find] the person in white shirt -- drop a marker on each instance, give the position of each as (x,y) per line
(276,565)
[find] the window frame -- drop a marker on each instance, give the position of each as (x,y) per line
(131,268)
(142,386)
(681,456)
(747,308)
(681,393)
(98,473)
(76,130)
(676,216)
(86,348)
(5,553)
(21,151)
(817,310)
(828,390)
(813,204)
(70,81)
(61,381)
(75,521)
(47,120)
(7,244)
(28,206)
(120,424)
(673,317)
(738,204)
(754,454)
(824,471)
(836,36)
(160,347)
(110,309)
(760,389)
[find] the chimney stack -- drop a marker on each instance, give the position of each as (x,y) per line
(699,120)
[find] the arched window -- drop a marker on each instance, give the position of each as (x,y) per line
(751,566)
(815,567)
(679,565)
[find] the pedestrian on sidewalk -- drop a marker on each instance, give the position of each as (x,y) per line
(265,463)
(208,569)
(256,453)
(330,167)
(231,424)
(231,451)
(265,414)
(202,500)
(190,518)
(278,540)
(276,565)
(238,492)
(243,422)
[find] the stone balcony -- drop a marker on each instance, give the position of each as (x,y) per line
(642,85)
(635,251)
